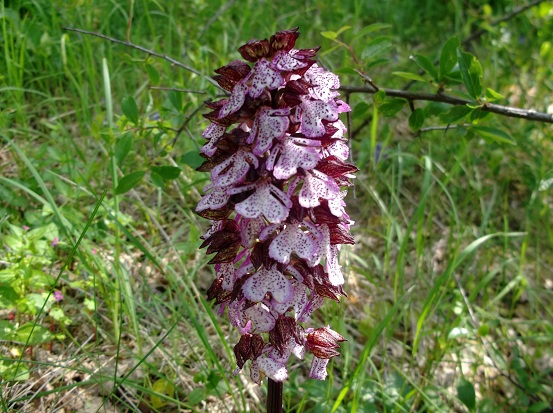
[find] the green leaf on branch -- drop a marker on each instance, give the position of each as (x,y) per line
(375,27)
(157,180)
(392,106)
(123,147)
(360,110)
(478,115)
(129,181)
(377,62)
(379,98)
(492,95)
(425,64)
(453,78)
(130,109)
(455,114)
(176,100)
(466,393)
(416,119)
(448,57)
(192,159)
(168,173)
(492,134)
(435,109)
(346,71)
(152,73)
(329,35)
(471,73)
(410,76)
(333,35)
(376,47)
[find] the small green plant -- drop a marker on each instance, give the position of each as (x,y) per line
(28,292)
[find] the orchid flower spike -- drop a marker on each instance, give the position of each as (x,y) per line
(277,154)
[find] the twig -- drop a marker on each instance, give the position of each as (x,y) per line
(443,128)
(145,50)
(509,111)
(180,130)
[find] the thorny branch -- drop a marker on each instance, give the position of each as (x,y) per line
(509,111)
(145,50)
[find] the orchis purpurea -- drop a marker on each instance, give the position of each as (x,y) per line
(277,153)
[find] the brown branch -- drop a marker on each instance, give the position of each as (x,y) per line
(145,50)
(509,111)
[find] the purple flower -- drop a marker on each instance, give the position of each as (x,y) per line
(25,227)
(55,242)
(277,154)
(58,296)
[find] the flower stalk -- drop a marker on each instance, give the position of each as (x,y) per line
(277,154)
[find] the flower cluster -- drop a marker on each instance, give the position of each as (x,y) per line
(277,156)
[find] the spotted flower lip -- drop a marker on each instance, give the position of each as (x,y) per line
(278,158)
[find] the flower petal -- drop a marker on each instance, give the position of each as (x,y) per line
(214,131)
(250,230)
(313,304)
(228,272)
(330,252)
(313,113)
(268,281)
(292,239)
(318,369)
(261,318)
(264,77)
(336,205)
(286,62)
(235,100)
(266,366)
(268,201)
(269,124)
(233,169)
(296,153)
(214,198)
(339,149)
(299,302)
(317,185)
(324,83)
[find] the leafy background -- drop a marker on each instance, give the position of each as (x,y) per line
(450,283)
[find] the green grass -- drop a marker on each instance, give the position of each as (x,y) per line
(449,285)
